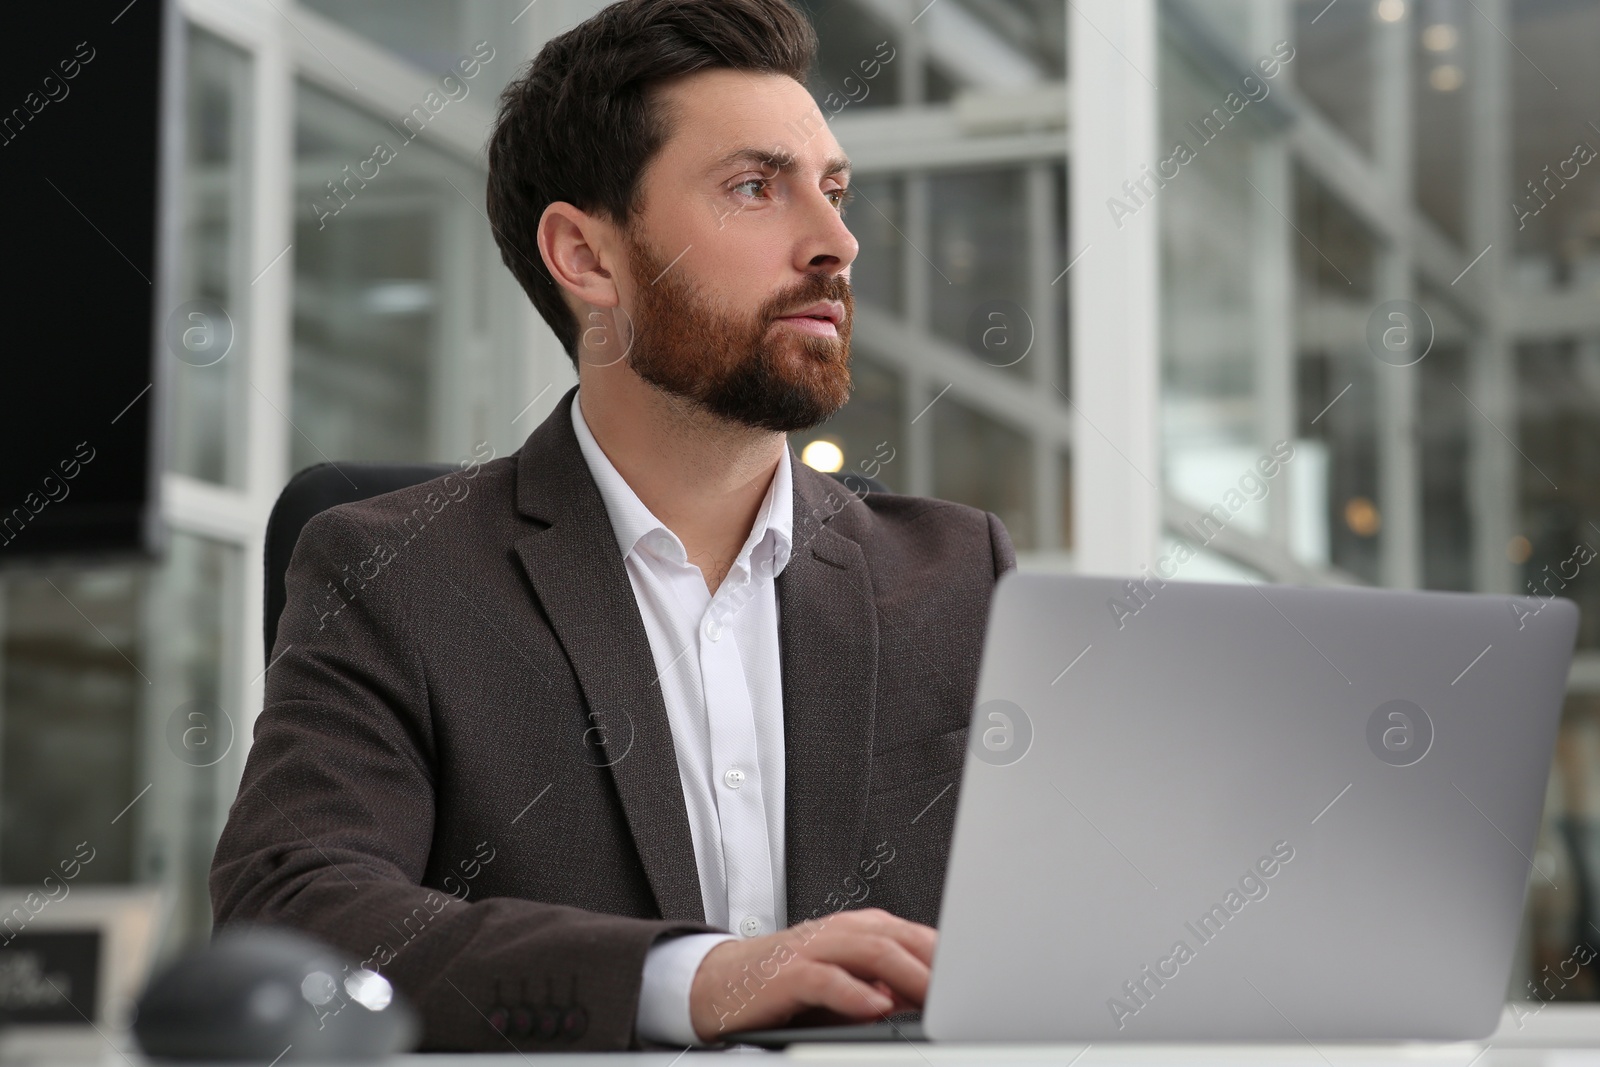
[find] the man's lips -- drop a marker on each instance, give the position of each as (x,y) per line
(815,327)
(820,319)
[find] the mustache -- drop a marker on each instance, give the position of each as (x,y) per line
(813,288)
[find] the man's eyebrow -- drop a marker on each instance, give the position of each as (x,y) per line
(780,162)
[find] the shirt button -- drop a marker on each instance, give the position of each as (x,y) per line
(750,926)
(713,629)
(733,779)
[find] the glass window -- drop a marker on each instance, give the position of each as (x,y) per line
(856,57)
(389,252)
(73,689)
(105,674)
(1563,908)
(1035,28)
(1210,239)
(195,601)
(940,87)
(982,462)
(1440,96)
(1060,287)
(1342,526)
(1555,190)
(1336,255)
(1064,470)
(1336,383)
(1558,385)
(1554,224)
(1207,564)
(208,381)
(867,435)
(435,35)
(1445,423)
(876,219)
(978,221)
(1333,63)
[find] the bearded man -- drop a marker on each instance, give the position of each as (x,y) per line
(651,734)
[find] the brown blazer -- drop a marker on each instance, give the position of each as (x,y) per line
(463,774)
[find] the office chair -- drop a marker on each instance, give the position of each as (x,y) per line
(325,485)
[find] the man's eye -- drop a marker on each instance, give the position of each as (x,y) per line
(760,182)
(842,197)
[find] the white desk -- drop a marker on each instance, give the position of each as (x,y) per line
(1552,1036)
(1555,1037)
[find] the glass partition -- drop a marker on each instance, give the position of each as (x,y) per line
(209,383)
(389,257)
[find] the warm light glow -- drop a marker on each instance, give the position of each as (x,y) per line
(1361,515)
(1391,10)
(1440,37)
(1446,79)
(1518,549)
(823,455)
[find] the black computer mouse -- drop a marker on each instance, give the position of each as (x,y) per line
(268,993)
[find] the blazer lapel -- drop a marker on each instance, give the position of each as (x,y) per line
(579,577)
(828,640)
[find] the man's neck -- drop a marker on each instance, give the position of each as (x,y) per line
(702,476)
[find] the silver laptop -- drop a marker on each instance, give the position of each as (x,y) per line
(1244,812)
(1199,811)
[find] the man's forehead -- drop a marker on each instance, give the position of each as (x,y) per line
(734,116)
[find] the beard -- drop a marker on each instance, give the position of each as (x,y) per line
(747,370)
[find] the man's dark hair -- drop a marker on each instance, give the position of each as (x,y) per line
(581,122)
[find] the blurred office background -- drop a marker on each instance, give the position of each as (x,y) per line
(1045,330)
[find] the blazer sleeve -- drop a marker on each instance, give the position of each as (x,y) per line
(1005,556)
(333,824)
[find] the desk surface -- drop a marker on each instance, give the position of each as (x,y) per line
(1552,1035)
(1403,1055)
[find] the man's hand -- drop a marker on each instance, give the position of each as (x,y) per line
(850,966)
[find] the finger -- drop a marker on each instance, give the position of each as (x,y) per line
(897,1003)
(832,988)
(900,1003)
(875,957)
(918,939)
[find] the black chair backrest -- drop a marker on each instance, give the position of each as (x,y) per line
(326,485)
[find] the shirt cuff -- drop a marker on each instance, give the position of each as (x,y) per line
(669,970)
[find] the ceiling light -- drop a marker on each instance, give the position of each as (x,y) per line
(1440,37)
(822,455)
(1446,78)
(1391,10)
(1361,516)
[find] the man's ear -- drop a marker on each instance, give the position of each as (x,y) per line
(575,247)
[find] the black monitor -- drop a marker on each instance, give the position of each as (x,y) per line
(90,157)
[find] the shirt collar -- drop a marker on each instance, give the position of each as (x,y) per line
(632,522)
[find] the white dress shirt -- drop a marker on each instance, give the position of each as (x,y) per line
(717,657)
